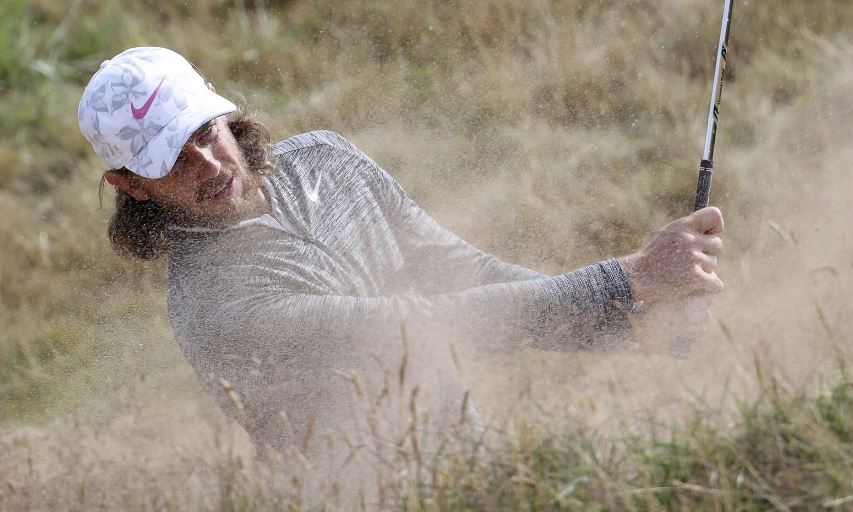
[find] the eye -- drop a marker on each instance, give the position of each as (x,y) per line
(205,130)
(205,134)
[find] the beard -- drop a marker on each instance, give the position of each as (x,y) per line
(214,185)
(206,213)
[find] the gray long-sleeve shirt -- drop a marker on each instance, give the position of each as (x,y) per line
(279,315)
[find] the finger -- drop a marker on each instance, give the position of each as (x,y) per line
(710,244)
(708,220)
(708,281)
(707,261)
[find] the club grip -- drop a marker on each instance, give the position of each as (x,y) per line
(703,188)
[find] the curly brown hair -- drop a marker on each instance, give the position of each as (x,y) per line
(137,229)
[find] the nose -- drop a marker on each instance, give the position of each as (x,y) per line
(201,161)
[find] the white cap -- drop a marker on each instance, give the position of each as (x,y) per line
(141,106)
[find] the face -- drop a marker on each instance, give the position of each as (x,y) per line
(210,184)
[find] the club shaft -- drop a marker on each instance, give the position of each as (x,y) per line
(706,167)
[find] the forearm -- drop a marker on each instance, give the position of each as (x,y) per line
(597,299)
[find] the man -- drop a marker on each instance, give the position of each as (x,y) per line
(308,291)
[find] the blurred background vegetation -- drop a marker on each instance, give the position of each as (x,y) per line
(552,133)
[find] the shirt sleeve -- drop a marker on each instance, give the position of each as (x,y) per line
(571,311)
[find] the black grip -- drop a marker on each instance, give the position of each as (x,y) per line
(703,188)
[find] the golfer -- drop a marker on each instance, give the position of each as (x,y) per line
(301,275)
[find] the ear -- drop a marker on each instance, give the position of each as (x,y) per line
(211,87)
(126,183)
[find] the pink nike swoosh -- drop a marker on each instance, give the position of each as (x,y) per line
(139,113)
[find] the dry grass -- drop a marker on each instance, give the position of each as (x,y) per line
(550,133)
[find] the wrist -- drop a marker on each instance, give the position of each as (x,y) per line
(630,267)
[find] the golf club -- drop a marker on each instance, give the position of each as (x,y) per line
(680,347)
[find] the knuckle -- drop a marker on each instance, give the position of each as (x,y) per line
(699,260)
(684,239)
(680,223)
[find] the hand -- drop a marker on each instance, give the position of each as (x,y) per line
(661,324)
(677,260)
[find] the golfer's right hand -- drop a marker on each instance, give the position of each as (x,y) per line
(678,260)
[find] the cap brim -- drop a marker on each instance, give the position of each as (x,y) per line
(159,155)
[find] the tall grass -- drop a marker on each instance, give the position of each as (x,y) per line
(551,133)
(787,451)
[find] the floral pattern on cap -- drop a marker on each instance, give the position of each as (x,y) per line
(137,113)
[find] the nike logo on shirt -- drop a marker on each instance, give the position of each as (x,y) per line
(139,113)
(315,194)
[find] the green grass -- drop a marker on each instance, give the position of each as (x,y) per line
(787,451)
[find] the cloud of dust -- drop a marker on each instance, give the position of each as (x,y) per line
(784,313)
